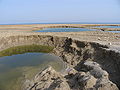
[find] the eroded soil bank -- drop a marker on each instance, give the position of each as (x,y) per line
(98,63)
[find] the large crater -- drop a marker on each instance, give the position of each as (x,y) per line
(73,52)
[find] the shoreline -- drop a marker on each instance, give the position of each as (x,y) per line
(33,27)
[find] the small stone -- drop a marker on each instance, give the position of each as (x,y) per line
(109,43)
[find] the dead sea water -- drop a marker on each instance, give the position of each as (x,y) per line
(14,69)
(64,30)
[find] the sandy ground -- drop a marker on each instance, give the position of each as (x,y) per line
(106,38)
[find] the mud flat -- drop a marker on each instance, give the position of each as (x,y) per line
(92,59)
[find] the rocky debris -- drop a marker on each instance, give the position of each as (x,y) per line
(99,38)
(99,75)
(92,78)
(81,81)
(48,79)
(94,69)
(105,84)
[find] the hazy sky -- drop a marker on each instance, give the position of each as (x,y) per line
(43,11)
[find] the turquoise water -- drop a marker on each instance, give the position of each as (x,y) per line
(108,26)
(14,68)
(70,30)
(64,30)
(27,59)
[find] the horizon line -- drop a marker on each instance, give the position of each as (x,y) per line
(61,23)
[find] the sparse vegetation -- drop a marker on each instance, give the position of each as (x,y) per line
(25,49)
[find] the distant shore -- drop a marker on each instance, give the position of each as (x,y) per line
(31,27)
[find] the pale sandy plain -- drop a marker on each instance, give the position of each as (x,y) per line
(106,38)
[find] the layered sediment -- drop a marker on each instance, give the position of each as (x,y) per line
(93,79)
(91,65)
